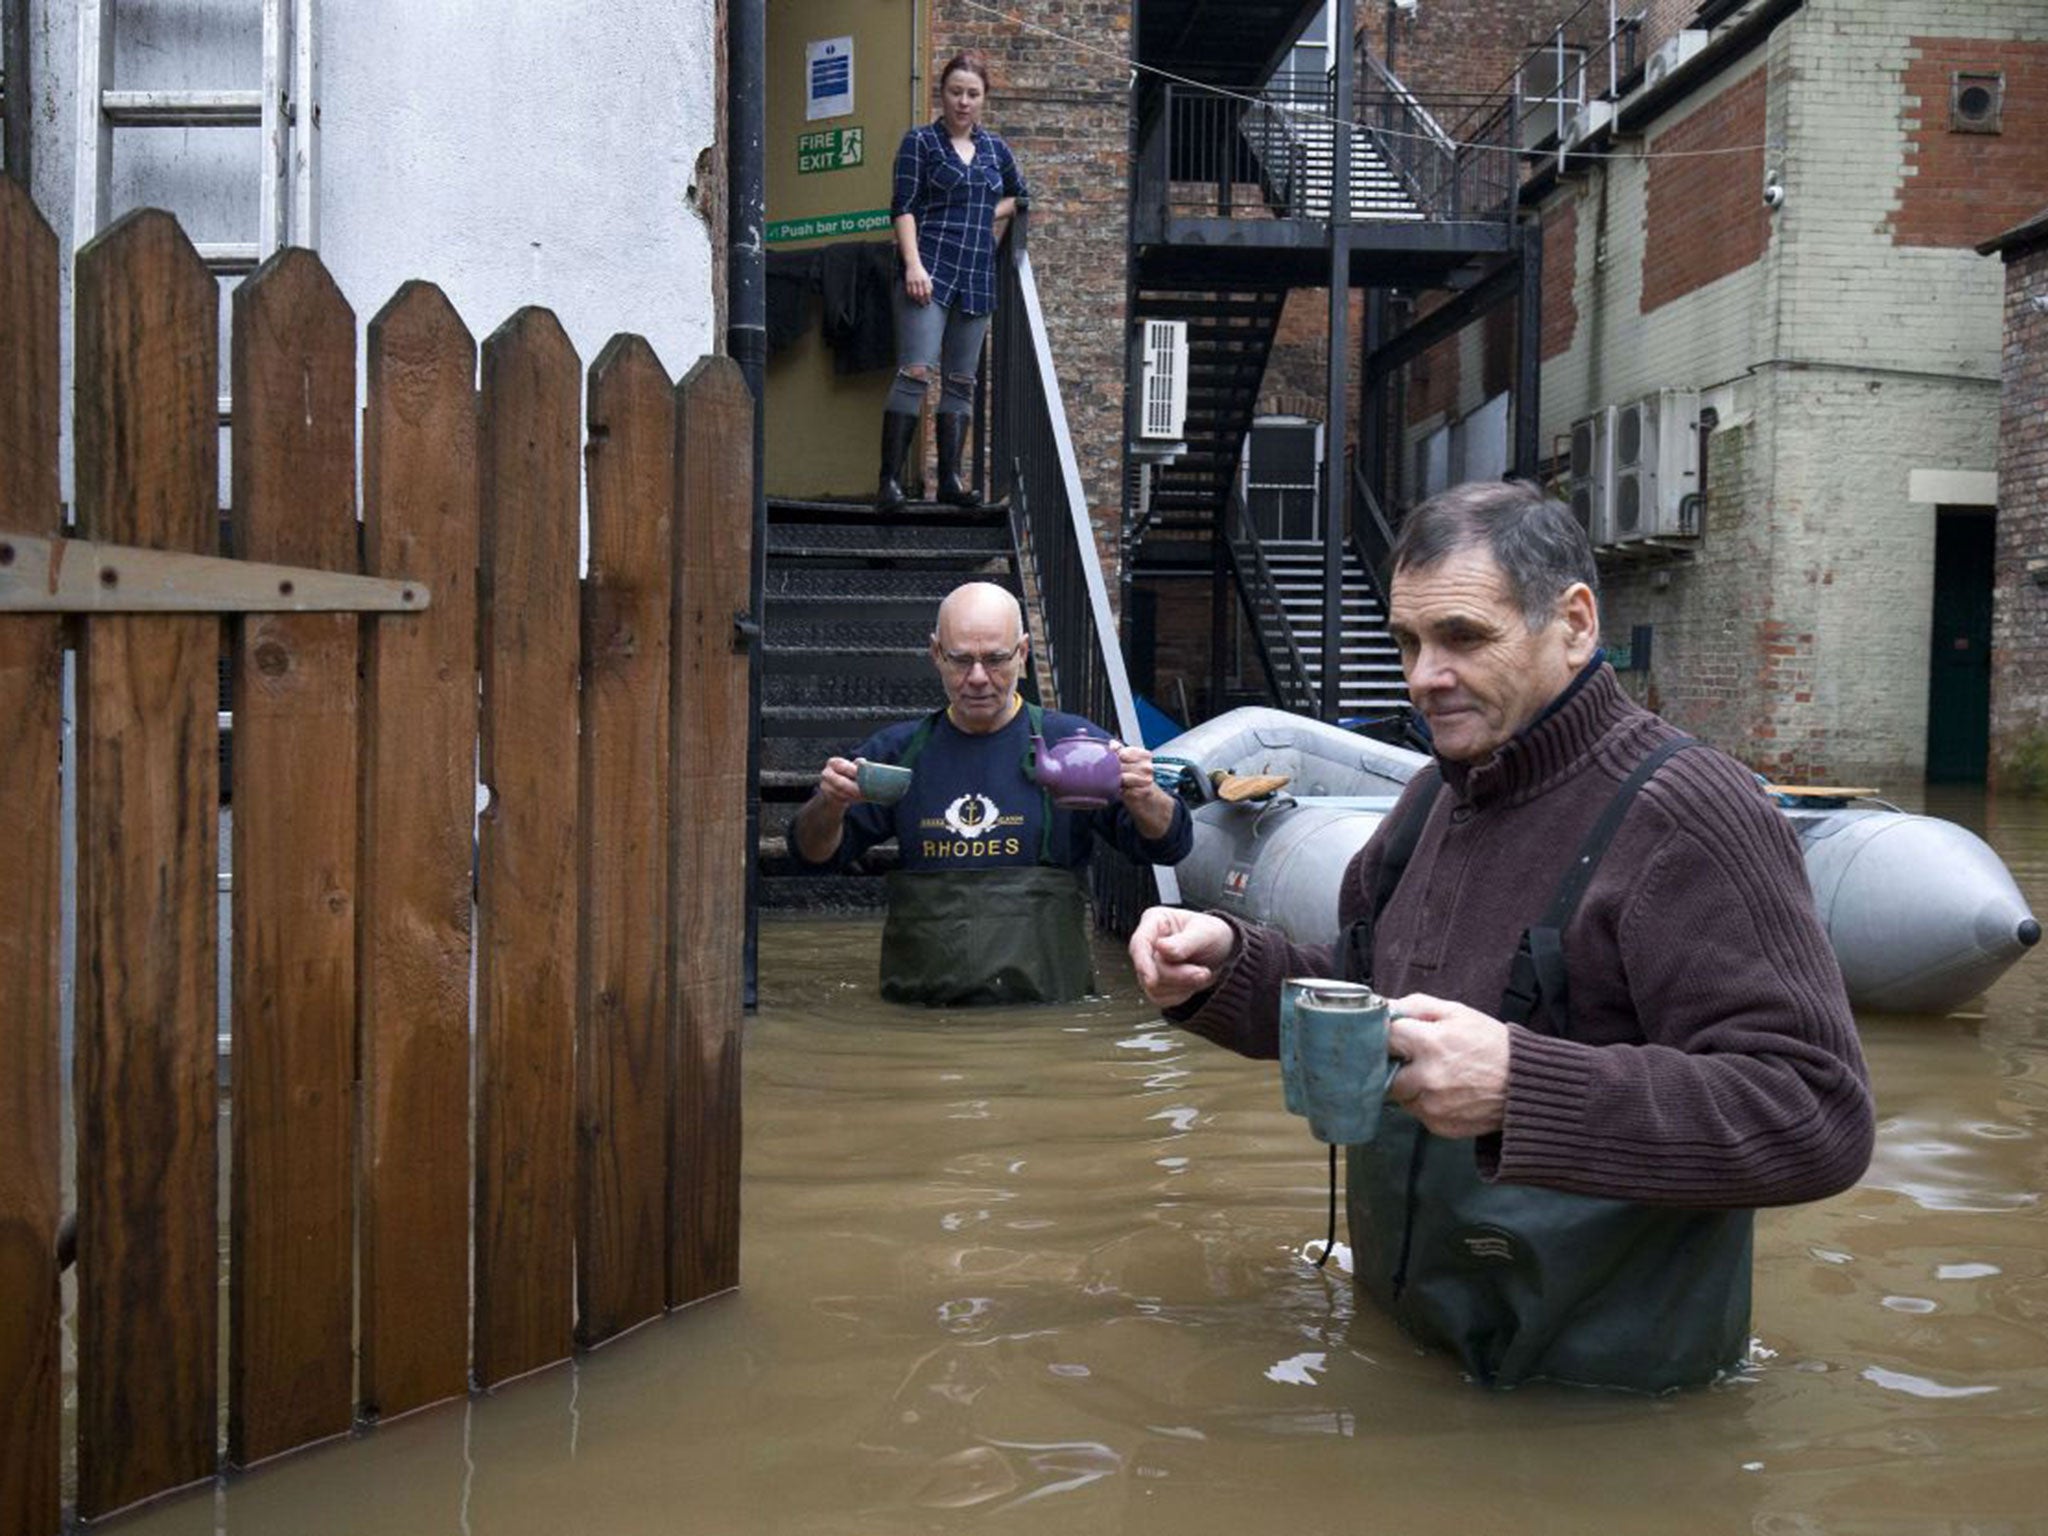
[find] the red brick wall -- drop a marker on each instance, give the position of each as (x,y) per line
(1560,275)
(1297,370)
(1469,48)
(2019,615)
(1433,377)
(1662,20)
(1704,218)
(1962,188)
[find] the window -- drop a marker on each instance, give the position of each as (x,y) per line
(1553,81)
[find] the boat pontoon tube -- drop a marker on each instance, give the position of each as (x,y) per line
(1922,914)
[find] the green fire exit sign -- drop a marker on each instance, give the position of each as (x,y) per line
(829,149)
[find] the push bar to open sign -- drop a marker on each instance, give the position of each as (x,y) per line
(42,575)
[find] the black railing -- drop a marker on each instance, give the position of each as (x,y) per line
(1371,534)
(1219,155)
(1081,668)
(1265,613)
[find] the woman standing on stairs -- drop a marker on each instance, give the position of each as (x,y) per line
(957,186)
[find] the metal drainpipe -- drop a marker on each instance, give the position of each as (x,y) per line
(746,341)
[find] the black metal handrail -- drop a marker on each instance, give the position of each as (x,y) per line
(1259,594)
(1034,467)
(1371,534)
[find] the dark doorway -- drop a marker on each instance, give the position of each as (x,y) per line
(1283,478)
(1959,671)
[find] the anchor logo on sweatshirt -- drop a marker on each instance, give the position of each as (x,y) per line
(971,816)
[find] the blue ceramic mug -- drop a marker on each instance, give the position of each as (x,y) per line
(1334,1066)
(881,783)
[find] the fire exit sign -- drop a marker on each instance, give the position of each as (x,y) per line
(829,149)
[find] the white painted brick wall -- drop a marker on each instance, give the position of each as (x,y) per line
(1855,362)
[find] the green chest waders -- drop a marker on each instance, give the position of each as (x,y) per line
(968,938)
(1523,1283)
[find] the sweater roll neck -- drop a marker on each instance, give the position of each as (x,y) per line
(1561,739)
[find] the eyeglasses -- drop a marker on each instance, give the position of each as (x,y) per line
(964,662)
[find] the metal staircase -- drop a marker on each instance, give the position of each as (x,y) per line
(1230,335)
(850,599)
(1293,140)
(1369,675)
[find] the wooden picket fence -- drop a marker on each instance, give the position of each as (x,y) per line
(379,671)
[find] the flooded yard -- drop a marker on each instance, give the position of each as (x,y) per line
(1049,1271)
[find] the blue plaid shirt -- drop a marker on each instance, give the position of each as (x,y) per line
(955,208)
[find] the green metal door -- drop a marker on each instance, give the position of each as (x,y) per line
(1959,671)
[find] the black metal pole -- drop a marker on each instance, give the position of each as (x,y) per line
(746,340)
(1529,352)
(14,61)
(1336,492)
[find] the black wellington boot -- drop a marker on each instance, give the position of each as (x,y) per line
(898,428)
(953,438)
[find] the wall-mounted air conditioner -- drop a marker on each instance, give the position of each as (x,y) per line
(1163,413)
(1655,446)
(1587,121)
(1671,53)
(1589,478)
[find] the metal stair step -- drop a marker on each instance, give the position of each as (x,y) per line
(791,541)
(895,696)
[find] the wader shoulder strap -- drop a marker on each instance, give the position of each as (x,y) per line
(1034,717)
(920,738)
(1401,841)
(1537,974)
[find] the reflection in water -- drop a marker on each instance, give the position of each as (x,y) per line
(1053,1271)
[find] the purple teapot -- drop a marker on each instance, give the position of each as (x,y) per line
(1084,773)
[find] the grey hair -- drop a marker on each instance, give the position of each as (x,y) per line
(1537,543)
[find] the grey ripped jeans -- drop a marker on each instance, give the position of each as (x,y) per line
(933,336)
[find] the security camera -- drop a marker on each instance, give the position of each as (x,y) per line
(1774,191)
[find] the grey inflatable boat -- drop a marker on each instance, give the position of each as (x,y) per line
(1922,914)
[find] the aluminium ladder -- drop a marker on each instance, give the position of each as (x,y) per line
(286,107)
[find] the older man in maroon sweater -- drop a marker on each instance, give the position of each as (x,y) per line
(1568,1196)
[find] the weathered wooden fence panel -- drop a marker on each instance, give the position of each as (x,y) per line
(622,1058)
(147,474)
(31,681)
(292,1299)
(608,721)
(707,869)
(418,815)
(526,876)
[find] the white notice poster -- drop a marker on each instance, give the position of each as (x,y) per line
(828,78)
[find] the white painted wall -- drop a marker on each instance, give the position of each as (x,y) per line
(513,152)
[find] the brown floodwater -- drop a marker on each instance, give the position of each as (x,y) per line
(1049,1271)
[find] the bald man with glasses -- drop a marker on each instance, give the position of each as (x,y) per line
(988,904)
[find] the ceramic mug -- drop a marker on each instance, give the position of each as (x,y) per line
(1334,1067)
(881,783)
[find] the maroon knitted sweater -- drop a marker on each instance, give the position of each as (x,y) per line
(1710,1058)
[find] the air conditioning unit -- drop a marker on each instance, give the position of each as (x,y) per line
(1587,121)
(1589,478)
(1164,369)
(1655,448)
(1671,53)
